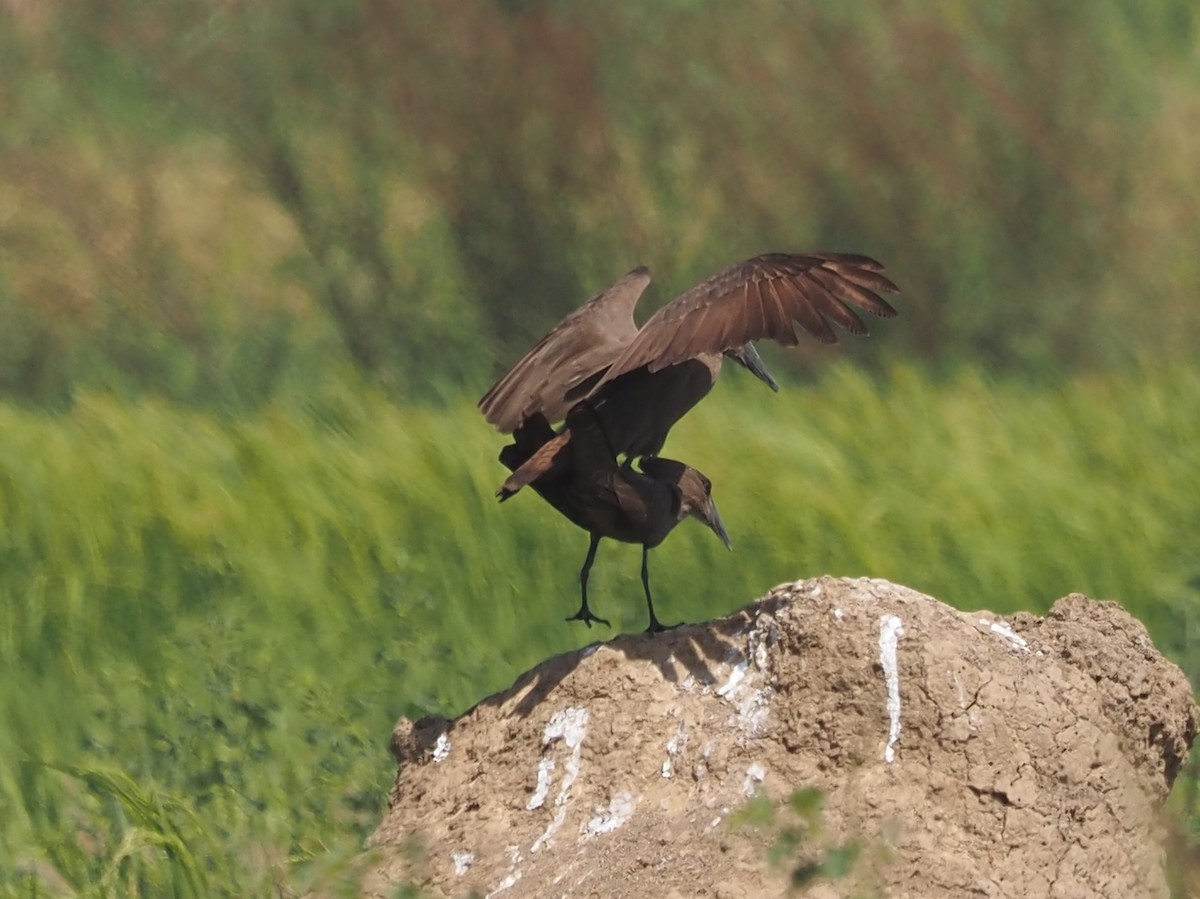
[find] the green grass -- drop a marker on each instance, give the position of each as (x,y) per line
(208,625)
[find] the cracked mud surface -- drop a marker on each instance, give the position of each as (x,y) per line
(1028,756)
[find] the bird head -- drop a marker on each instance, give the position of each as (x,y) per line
(747,356)
(695,492)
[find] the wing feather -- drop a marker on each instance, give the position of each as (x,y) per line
(757,299)
(805,307)
(578,349)
(848,291)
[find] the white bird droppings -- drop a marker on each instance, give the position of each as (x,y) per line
(735,678)
(1015,640)
(545,770)
(606,820)
(441,749)
(753,710)
(752,705)
(569,726)
(754,775)
(891,629)
(838,614)
(462,862)
(508,882)
(514,873)
(674,747)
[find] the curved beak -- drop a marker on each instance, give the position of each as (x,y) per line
(748,356)
(710,516)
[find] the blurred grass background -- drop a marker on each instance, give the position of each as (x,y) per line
(258,260)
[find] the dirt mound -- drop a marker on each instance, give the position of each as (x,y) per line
(964,754)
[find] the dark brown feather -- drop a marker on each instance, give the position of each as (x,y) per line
(621,389)
(806,310)
(640,382)
(847,290)
(572,354)
(757,299)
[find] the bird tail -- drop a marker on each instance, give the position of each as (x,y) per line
(539,455)
(549,459)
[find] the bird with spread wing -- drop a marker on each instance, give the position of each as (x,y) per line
(636,383)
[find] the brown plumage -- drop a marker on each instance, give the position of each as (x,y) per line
(621,389)
(608,500)
(568,359)
(642,381)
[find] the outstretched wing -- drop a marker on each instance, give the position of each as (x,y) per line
(760,298)
(579,348)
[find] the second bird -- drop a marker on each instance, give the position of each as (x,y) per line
(608,500)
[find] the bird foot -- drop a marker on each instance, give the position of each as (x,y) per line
(657,627)
(585,615)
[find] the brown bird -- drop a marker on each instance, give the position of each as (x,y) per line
(641,381)
(608,500)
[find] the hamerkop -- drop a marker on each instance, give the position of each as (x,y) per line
(637,382)
(643,380)
(608,500)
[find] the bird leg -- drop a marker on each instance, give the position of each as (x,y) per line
(585,614)
(656,626)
